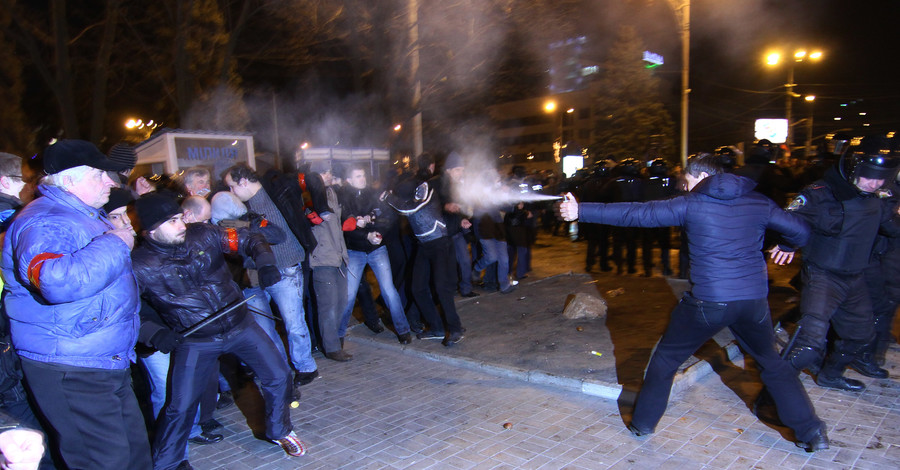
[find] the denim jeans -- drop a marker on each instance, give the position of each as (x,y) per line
(288,295)
(381,266)
(495,251)
(261,303)
(464,261)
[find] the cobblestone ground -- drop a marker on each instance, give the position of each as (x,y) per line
(389,410)
(385,410)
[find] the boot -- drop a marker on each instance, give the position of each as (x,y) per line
(819,441)
(864,363)
(832,373)
(881,348)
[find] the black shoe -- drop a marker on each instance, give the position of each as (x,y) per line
(819,441)
(295,394)
(508,290)
(226,399)
(430,334)
(869,368)
(454,338)
(303,378)
(340,356)
(184,465)
(210,426)
(469,295)
(376,327)
(840,383)
(405,338)
(416,329)
(637,432)
(206,438)
(605,268)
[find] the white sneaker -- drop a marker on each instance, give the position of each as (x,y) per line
(292,445)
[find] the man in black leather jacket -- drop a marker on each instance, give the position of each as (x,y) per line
(182,273)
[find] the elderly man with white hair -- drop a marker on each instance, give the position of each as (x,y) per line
(72,302)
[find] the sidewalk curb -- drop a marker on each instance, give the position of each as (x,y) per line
(684,379)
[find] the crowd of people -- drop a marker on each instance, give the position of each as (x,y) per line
(188,276)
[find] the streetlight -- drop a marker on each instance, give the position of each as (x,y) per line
(811,99)
(800,55)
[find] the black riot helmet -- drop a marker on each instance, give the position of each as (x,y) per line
(727,157)
(629,167)
(603,168)
(658,167)
(873,159)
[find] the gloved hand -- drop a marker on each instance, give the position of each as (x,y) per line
(268,276)
(166,340)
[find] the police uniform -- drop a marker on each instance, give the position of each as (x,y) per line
(845,223)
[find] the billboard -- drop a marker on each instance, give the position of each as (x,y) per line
(776,130)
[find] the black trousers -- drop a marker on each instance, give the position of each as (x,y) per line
(436,261)
(93,414)
(843,301)
(192,364)
(693,323)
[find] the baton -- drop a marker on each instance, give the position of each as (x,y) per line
(253,310)
(787,349)
(213,317)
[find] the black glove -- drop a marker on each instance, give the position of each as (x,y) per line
(166,340)
(268,276)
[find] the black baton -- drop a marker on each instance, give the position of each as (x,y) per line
(214,317)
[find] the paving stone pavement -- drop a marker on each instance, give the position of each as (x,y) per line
(386,410)
(389,409)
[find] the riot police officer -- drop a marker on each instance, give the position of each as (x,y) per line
(659,185)
(627,187)
(597,188)
(846,209)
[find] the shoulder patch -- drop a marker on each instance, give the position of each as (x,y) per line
(797,203)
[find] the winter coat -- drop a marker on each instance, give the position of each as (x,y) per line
(187,282)
(71,296)
(725,221)
(360,203)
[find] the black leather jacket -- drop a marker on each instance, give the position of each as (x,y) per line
(188,282)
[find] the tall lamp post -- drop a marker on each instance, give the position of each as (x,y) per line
(682,10)
(800,55)
(811,99)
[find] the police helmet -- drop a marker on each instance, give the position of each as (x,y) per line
(658,167)
(873,159)
(727,157)
(629,167)
(603,168)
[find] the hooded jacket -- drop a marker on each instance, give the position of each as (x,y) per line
(71,296)
(725,221)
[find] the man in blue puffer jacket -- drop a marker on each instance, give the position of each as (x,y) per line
(73,307)
(725,221)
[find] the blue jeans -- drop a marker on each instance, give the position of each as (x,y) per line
(261,303)
(464,261)
(381,266)
(495,251)
(288,295)
(157,367)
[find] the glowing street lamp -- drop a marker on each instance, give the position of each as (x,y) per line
(800,55)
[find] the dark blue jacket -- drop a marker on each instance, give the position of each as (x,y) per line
(725,221)
(71,294)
